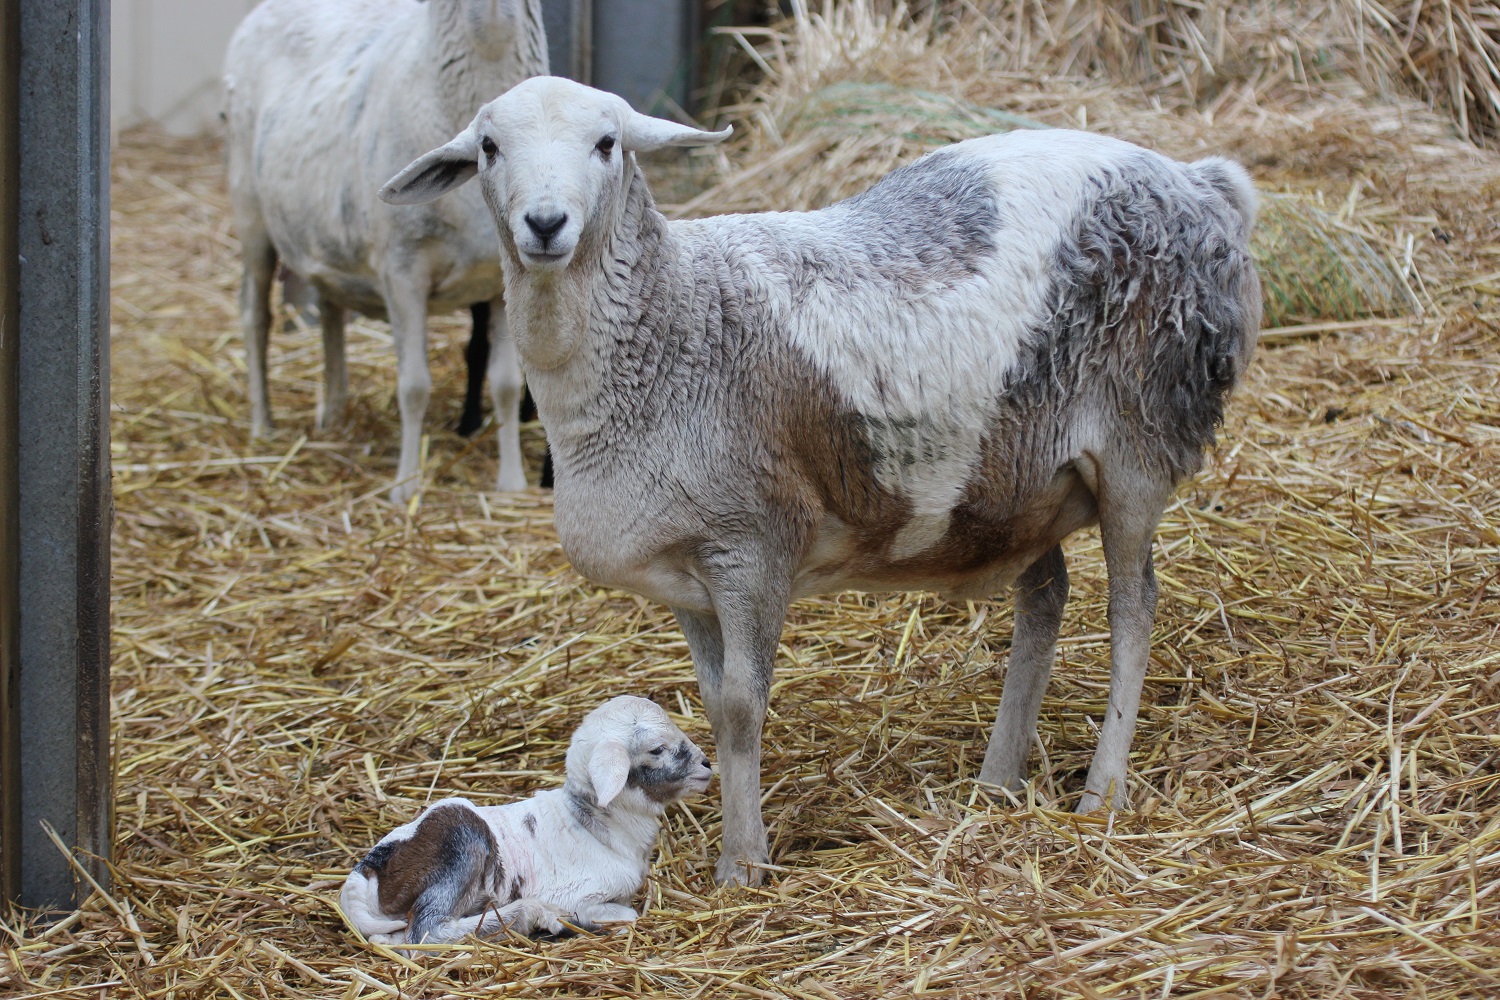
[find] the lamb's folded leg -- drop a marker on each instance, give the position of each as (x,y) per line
(525,916)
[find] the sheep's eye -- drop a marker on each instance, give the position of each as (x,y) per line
(658,751)
(606,146)
(490,149)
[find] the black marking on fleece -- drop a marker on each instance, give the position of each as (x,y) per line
(461,863)
(1153,308)
(930,221)
(662,779)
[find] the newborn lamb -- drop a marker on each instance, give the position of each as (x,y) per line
(576,854)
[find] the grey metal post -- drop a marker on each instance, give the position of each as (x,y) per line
(569,25)
(62,587)
(10,534)
(645,50)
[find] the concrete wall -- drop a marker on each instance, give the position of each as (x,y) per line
(166,59)
(167,55)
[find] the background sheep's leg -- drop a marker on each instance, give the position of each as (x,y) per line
(705,642)
(476,362)
(1128,515)
(335,364)
(736,704)
(255,315)
(406,301)
(1041,593)
(505,393)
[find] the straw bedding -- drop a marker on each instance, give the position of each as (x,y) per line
(299,666)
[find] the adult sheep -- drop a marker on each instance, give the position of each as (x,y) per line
(928,386)
(325,101)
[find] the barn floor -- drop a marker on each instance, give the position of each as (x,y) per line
(299,666)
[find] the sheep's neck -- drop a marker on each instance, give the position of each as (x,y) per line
(599,340)
(478,60)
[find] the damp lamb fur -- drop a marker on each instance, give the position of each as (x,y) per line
(928,386)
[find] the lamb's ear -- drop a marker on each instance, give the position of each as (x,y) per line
(609,767)
(644,134)
(436,173)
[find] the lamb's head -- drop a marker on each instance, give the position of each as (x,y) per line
(628,753)
(554,159)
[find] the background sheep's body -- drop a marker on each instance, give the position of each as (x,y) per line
(325,100)
(928,386)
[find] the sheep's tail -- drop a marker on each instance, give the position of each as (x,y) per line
(1230,179)
(359,901)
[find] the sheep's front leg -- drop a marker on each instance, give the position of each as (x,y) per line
(335,364)
(1127,526)
(735,696)
(1040,596)
(406,301)
(505,393)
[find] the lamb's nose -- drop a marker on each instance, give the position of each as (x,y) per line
(706,765)
(546,226)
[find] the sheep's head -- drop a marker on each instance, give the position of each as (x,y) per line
(628,748)
(553,157)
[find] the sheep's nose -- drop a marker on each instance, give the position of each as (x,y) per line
(707,766)
(546,226)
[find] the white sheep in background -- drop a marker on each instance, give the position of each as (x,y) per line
(325,101)
(576,854)
(928,386)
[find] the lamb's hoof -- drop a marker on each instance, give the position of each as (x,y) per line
(403,492)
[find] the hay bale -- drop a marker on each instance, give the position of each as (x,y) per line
(1313,267)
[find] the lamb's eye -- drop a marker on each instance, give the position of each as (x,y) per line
(490,149)
(658,751)
(605,146)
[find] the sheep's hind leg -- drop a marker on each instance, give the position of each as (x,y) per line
(335,364)
(255,316)
(1041,593)
(505,393)
(476,361)
(406,301)
(1128,515)
(705,639)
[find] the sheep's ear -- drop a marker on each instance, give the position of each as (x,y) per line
(436,173)
(644,134)
(609,767)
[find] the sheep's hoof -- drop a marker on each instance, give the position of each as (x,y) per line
(995,791)
(404,491)
(469,422)
(330,417)
(741,871)
(512,481)
(1093,802)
